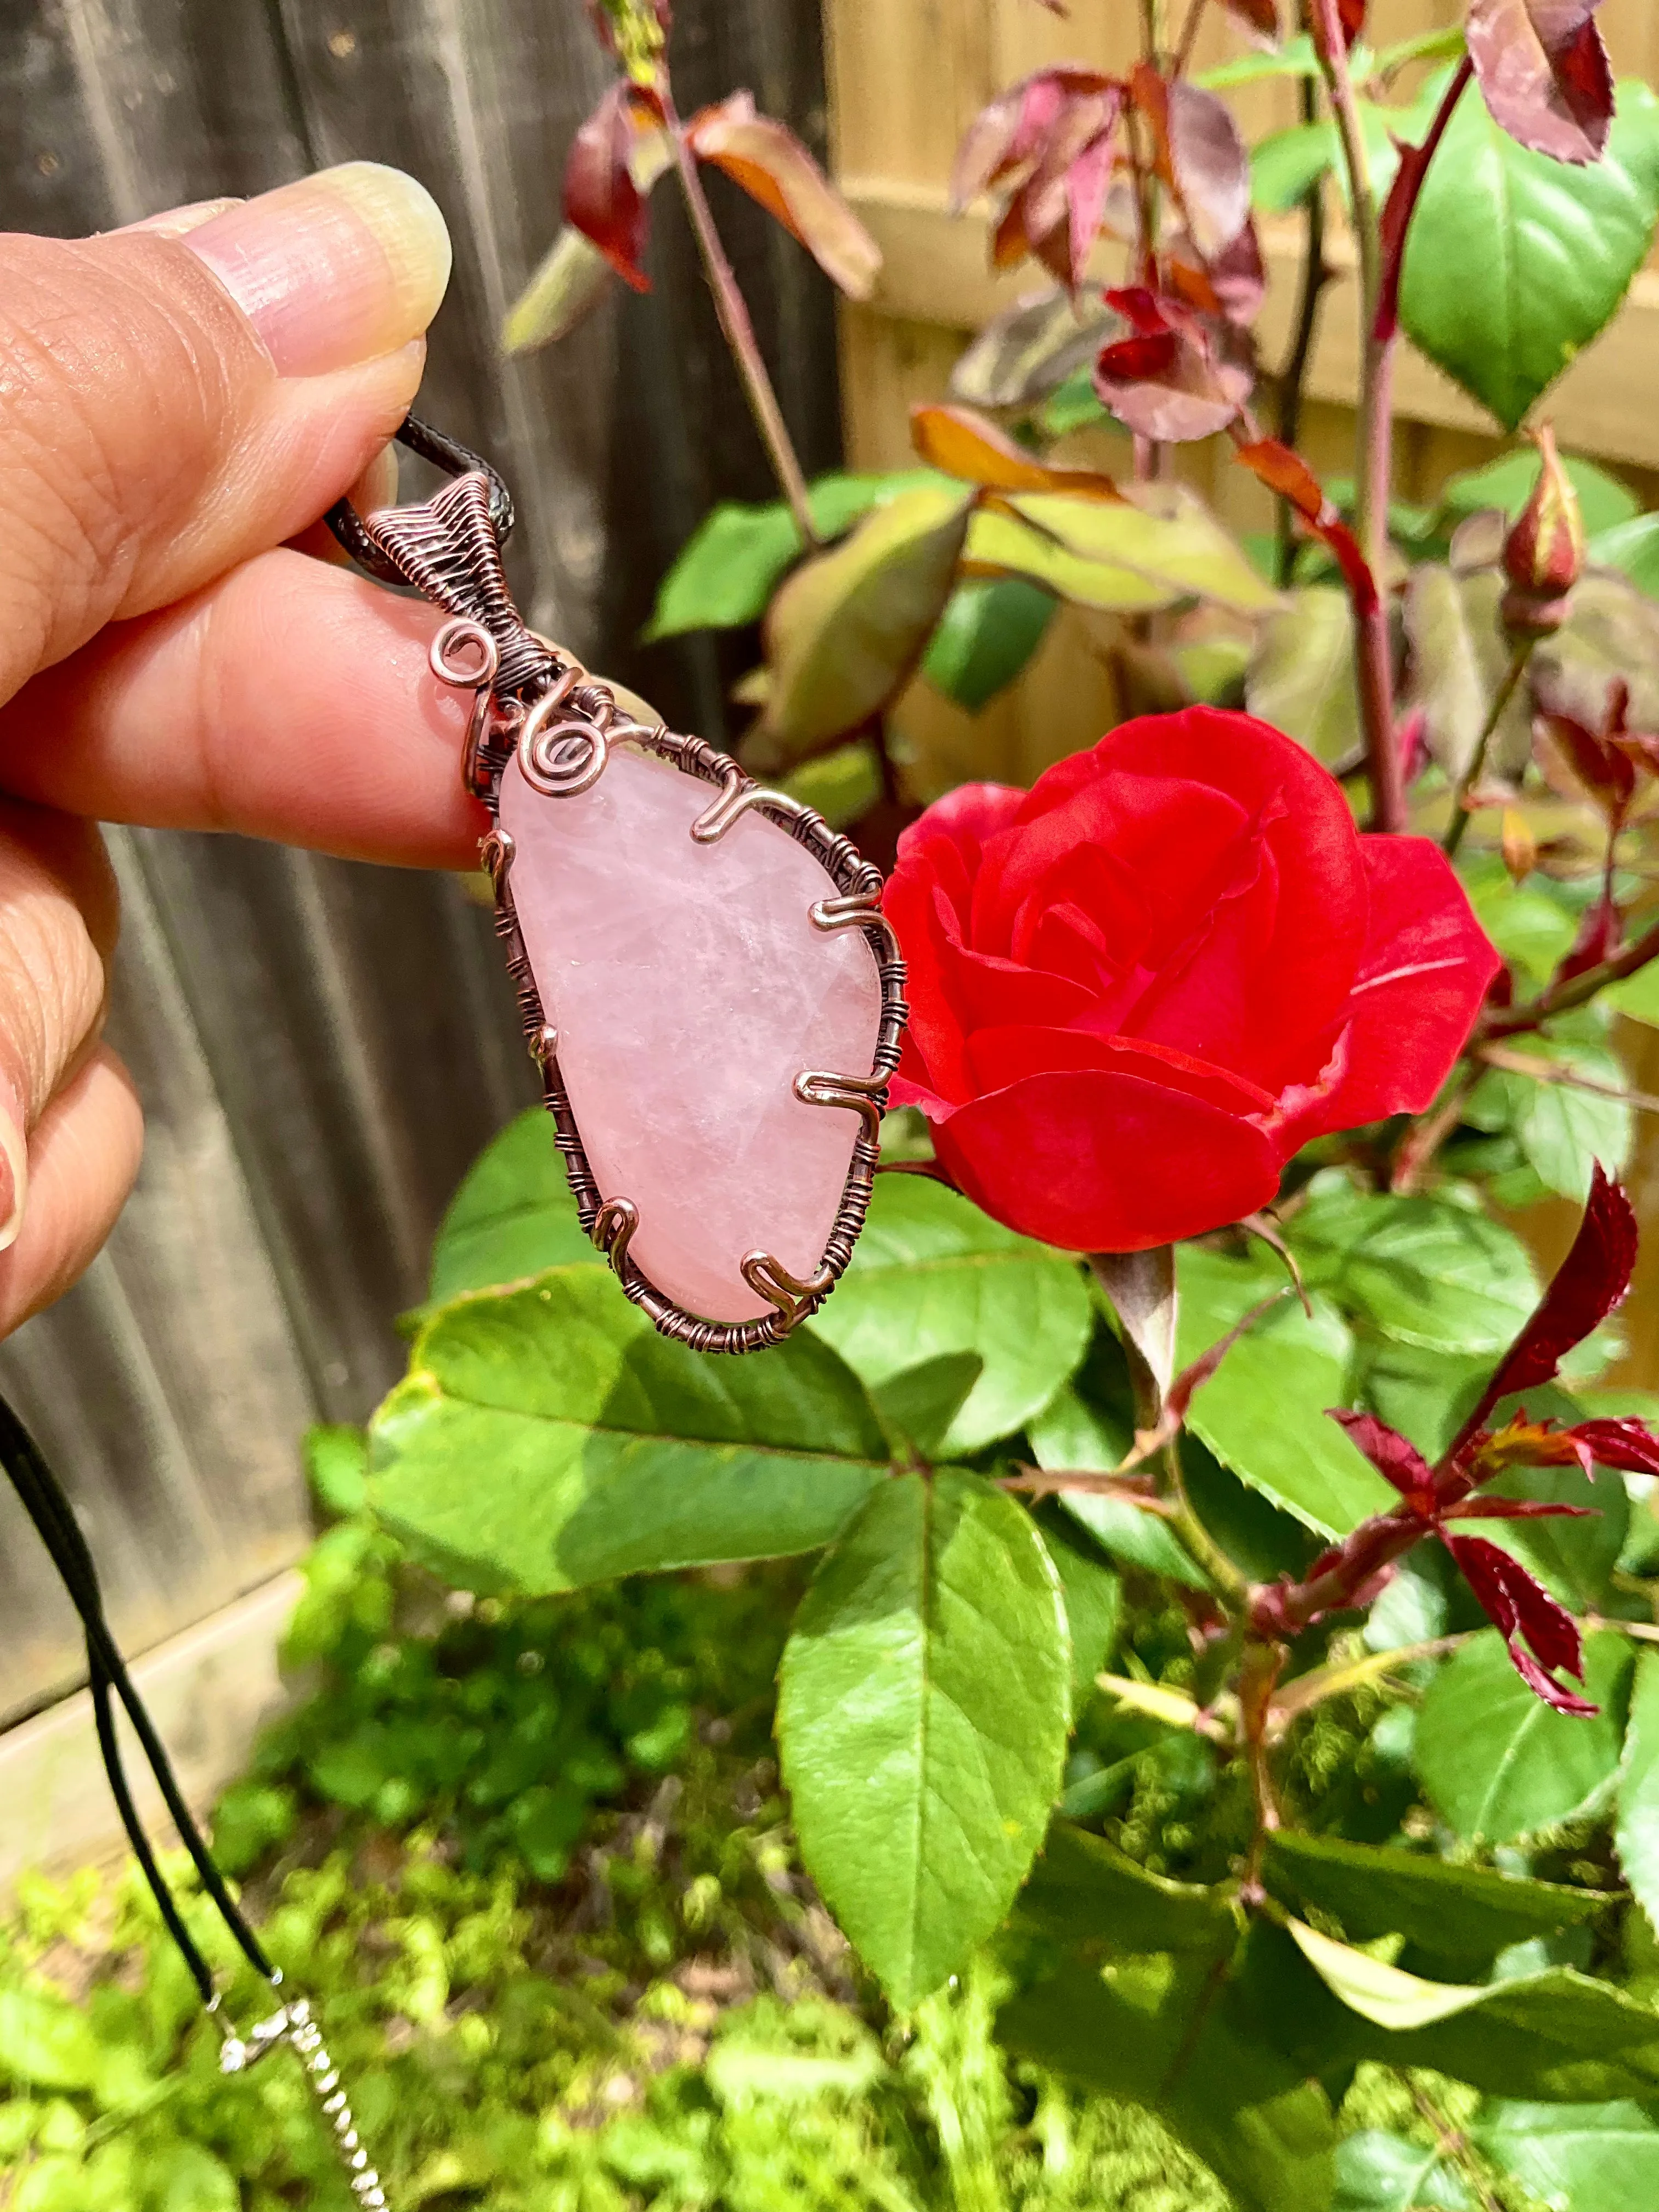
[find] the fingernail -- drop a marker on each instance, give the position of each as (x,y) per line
(338,269)
(177,222)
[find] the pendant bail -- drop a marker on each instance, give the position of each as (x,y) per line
(448,548)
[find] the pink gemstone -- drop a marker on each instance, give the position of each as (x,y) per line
(689,986)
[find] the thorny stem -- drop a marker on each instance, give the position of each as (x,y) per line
(1576,991)
(1424,1140)
(1477,763)
(1385,770)
(1316,274)
(739,333)
(1184,44)
(1258,1678)
(1152,30)
(1374,650)
(1452,2147)
(1185,1523)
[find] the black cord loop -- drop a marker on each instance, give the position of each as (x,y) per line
(43,1501)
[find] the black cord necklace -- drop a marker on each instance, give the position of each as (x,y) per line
(50,1511)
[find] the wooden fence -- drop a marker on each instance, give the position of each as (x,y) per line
(322,1047)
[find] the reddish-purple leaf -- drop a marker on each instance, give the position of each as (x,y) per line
(1347,16)
(1200,156)
(1395,1458)
(1087,183)
(1261,16)
(1601,933)
(1589,1284)
(1166,381)
(1518,1606)
(1011,132)
(1545,73)
(1620,1441)
(601,198)
(1289,475)
(1231,284)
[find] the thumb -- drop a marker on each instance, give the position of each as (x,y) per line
(169,405)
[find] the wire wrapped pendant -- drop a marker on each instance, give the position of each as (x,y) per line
(706,979)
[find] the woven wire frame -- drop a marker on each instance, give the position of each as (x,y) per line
(851,875)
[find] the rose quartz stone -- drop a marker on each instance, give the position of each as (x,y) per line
(689,986)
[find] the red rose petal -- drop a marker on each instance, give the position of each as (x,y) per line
(1421,980)
(997,1058)
(1099,1163)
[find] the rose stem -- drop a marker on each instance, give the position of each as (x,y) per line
(1184,43)
(1472,775)
(1555,1071)
(1575,991)
(1374,653)
(1317,274)
(740,334)
(1424,1138)
(1262,1665)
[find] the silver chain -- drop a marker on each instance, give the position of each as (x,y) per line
(294,2026)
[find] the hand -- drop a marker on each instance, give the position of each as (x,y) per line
(179,403)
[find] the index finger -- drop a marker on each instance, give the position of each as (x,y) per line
(288,700)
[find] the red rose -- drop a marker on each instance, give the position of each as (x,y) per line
(1137,988)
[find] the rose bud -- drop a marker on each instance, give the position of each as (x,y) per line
(1544,553)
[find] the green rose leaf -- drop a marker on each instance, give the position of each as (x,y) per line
(1637,1834)
(549,1438)
(1163,2030)
(1380,2173)
(1561,1130)
(1301,675)
(849,626)
(1154,547)
(1082,1887)
(1093,1595)
(1515,262)
(1462,1914)
(985,635)
(1637,996)
(924,1702)
(1072,1432)
(1263,1413)
(1590,2158)
(512,1216)
(1420,1271)
(1632,548)
(1507,483)
(1496,1762)
(918,1404)
(737,555)
(1460,658)
(1558,2034)
(931,1275)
